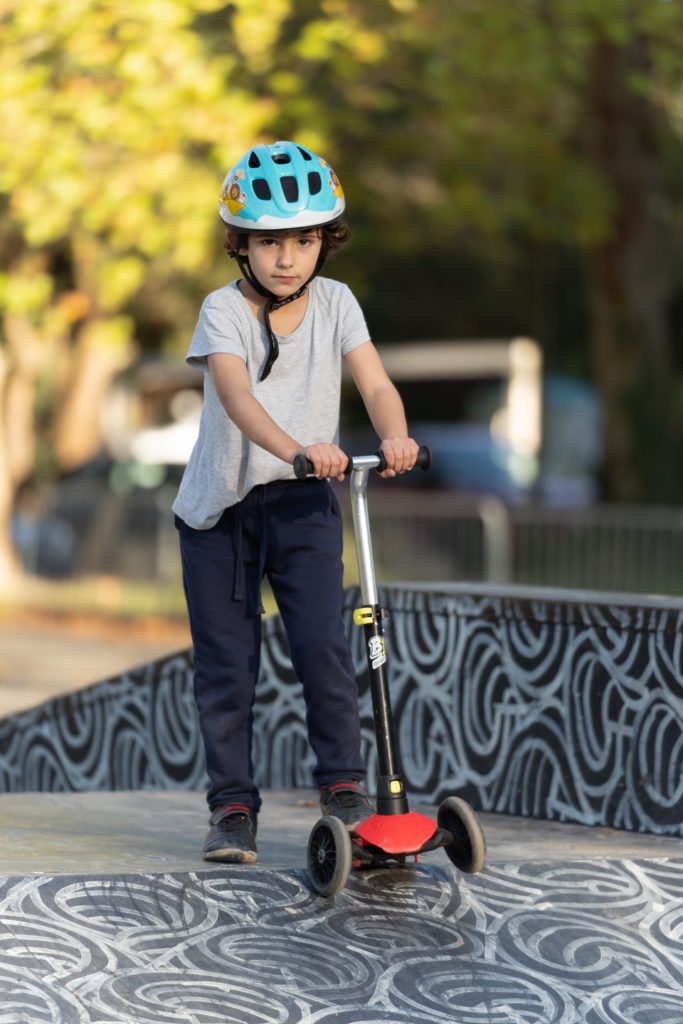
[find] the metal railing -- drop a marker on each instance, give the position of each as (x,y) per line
(603,547)
(417,536)
(436,536)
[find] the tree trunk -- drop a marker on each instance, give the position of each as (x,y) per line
(631,282)
(77,429)
(9,564)
(20,393)
(19,362)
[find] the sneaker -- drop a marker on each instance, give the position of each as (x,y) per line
(347,801)
(232,835)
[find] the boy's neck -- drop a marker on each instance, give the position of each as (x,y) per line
(250,293)
(258,301)
(283,320)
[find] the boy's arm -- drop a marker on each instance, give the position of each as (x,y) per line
(384,406)
(231,381)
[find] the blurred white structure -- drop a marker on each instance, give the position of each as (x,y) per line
(518,423)
(154,419)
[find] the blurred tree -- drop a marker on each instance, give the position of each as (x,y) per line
(470,147)
(115,122)
(486,149)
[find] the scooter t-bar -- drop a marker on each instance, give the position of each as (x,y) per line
(394,832)
(391,798)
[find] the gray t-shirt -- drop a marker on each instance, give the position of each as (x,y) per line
(301,393)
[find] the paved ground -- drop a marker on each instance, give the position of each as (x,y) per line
(116,833)
(44,658)
(108,914)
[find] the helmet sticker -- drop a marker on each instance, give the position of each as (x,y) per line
(232,195)
(335,183)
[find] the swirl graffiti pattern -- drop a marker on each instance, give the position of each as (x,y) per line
(518,944)
(550,705)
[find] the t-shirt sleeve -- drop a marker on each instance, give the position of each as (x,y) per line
(354,328)
(218,330)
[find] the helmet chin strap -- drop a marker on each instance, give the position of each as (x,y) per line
(273,303)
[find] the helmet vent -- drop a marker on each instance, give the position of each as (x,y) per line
(290,188)
(305,154)
(254,161)
(261,189)
(314,183)
(282,158)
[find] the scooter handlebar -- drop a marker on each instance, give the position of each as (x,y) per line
(303,467)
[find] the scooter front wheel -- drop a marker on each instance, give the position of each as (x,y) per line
(468,849)
(329,856)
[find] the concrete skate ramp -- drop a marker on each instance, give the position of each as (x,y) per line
(561,705)
(563,709)
(108,913)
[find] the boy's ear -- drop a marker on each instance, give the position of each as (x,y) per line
(233,240)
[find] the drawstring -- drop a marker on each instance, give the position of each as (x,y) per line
(256,500)
(238,581)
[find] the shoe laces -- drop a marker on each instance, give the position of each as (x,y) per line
(345,796)
(237,820)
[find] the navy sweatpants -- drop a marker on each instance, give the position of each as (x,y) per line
(289,531)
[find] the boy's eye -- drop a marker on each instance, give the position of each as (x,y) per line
(305,241)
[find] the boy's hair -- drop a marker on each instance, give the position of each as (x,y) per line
(335,235)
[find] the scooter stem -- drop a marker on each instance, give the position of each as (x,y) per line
(391,796)
(361,529)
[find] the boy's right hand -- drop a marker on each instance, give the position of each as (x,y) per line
(328,460)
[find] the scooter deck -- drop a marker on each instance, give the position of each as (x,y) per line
(396,833)
(388,839)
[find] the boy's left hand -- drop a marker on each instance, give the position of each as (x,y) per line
(400,453)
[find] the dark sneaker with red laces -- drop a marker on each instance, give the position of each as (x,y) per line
(232,835)
(347,801)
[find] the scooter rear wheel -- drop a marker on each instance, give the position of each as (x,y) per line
(329,856)
(468,849)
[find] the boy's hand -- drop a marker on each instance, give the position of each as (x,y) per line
(400,453)
(328,460)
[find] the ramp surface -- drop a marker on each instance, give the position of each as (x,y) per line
(108,915)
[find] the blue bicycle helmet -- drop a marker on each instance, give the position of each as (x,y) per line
(278,187)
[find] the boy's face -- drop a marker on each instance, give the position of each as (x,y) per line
(282,261)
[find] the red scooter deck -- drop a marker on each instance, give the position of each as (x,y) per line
(396,833)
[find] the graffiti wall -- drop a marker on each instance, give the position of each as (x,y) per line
(552,704)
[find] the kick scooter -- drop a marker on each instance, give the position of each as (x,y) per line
(394,832)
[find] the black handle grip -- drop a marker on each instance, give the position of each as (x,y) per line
(423,460)
(303,467)
(424,457)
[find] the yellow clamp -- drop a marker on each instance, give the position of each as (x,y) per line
(363,616)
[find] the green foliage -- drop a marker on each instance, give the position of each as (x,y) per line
(464,135)
(120,118)
(461,122)
(115,124)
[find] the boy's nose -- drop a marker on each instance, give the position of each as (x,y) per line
(286,255)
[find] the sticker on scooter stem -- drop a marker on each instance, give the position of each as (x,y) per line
(378,654)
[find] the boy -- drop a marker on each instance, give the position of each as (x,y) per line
(270,346)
